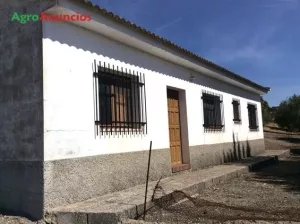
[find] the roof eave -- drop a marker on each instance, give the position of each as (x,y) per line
(221,70)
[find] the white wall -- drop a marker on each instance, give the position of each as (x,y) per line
(68,56)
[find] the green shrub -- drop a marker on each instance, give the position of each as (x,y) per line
(266,112)
(288,114)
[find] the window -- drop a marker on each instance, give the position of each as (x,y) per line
(212,105)
(252,117)
(120,104)
(236,111)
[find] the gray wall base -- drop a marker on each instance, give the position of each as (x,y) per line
(31,188)
(21,188)
(208,155)
(72,180)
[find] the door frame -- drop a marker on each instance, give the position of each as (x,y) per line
(174,126)
(185,155)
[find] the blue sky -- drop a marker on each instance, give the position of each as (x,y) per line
(258,39)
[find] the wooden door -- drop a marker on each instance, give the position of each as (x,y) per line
(174,126)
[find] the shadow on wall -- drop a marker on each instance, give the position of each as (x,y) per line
(88,41)
(239,151)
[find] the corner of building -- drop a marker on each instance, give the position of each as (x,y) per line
(21,111)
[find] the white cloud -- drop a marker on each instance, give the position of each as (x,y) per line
(256,48)
(167,25)
(245,45)
(241,45)
(247,52)
(281,6)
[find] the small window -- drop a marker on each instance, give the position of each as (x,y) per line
(252,114)
(212,105)
(236,111)
(120,101)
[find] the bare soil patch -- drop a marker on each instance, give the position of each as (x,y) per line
(15,220)
(278,139)
(271,195)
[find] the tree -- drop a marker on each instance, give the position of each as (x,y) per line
(288,114)
(265,111)
(273,111)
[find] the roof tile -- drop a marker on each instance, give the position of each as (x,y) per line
(168,43)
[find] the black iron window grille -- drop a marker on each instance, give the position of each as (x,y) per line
(120,101)
(236,111)
(213,112)
(252,114)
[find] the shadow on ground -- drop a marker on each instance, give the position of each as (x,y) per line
(271,194)
(285,172)
(290,140)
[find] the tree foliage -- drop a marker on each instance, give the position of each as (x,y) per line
(288,114)
(266,111)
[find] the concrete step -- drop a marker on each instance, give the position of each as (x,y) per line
(129,203)
(295,151)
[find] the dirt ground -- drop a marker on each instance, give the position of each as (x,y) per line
(271,195)
(275,138)
(14,220)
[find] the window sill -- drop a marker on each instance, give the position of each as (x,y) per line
(237,121)
(213,126)
(213,129)
(208,130)
(254,129)
(120,129)
(138,126)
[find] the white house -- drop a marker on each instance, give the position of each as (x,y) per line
(81,101)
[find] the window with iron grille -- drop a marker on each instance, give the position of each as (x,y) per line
(212,110)
(120,103)
(252,114)
(236,111)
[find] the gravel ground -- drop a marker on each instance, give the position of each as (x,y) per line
(271,195)
(14,220)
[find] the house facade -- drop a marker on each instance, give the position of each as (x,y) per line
(81,101)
